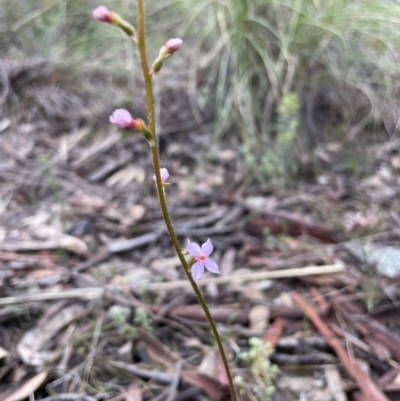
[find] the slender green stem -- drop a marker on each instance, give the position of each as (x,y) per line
(161,194)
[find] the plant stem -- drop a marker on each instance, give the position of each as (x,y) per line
(161,194)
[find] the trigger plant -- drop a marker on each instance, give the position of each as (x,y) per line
(198,257)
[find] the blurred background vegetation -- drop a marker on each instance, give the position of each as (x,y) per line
(276,78)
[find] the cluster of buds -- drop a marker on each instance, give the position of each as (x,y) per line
(122,118)
(103,14)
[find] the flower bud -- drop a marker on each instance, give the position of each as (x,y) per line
(164,175)
(123,119)
(165,53)
(103,14)
(173,45)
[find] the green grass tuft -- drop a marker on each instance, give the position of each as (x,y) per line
(339,59)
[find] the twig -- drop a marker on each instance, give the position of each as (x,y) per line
(269,275)
(175,382)
(123,246)
(69,397)
(98,147)
(86,293)
(110,167)
(95,292)
(161,377)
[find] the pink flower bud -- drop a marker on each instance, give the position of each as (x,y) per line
(123,119)
(164,175)
(103,14)
(173,45)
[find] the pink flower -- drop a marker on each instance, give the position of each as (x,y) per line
(200,255)
(164,175)
(123,119)
(173,45)
(103,14)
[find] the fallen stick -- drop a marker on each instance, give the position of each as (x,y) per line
(268,275)
(95,292)
(85,293)
(370,391)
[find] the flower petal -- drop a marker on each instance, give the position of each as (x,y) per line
(193,249)
(102,14)
(197,270)
(173,45)
(207,248)
(164,174)
(122,118)
(211,266)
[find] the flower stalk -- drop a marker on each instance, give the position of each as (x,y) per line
(160,189)
(199,261)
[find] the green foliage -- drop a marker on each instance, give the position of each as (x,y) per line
(262,369)
(278,160)
(142,320)
(119,317)
(341,52)
(246,57)
(83,53)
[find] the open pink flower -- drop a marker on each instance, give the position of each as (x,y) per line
(123,119)
(103,14)
(201,256)
(173,45)
(164,175)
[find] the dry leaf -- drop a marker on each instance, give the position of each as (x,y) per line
(31,347)
(227,155)
(252,292)
(162,354)
(167,267)
(135,278)
(73,244)
(98,147)
(212,365)
(28,388)
(126,176)
(4,124)
(334,383)
(3,353)
(133,393)
(137,212)
(207,365)
(259,317)
(296,385)
(227,264)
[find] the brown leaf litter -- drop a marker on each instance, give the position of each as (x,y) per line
(94,305)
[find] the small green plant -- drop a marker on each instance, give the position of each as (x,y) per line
(119,317)
(142,320)
(261,368)
(278,161)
